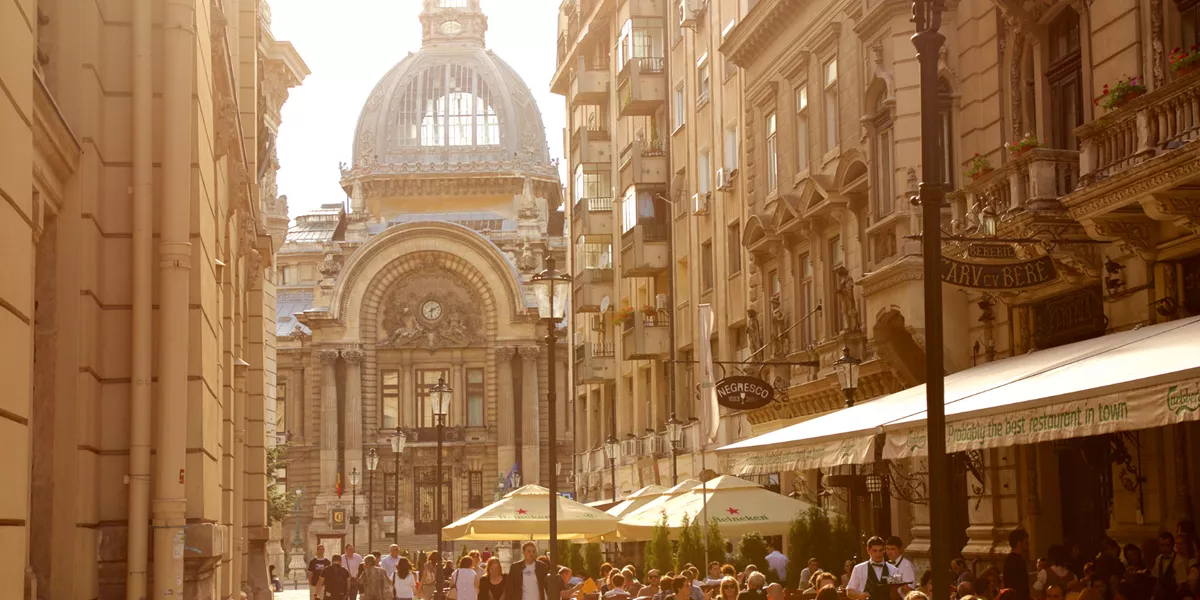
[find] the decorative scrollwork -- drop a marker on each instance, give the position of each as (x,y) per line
(904,486)
(973,461)
(1130,474)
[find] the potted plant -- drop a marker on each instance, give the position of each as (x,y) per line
(1121,93)
(1185,61)
(980,166)
(625,315)
(1021,146)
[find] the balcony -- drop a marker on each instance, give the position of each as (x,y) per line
(641,8)
(641,86)
(595,362)
(591,287)
(646,336)
(592,216)
(644,249)
(1034,181)
(590,81)
(591,144)
(643,163)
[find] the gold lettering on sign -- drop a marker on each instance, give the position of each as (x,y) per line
(1003,276)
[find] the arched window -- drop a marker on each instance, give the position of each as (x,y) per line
(448,105)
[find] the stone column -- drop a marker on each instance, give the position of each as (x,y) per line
(329,424)
(505,410)
(294,404)
(354,413)
(531,415)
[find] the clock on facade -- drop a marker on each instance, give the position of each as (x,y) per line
(451,28)
(431,310)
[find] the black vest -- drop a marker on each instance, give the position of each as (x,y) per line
(877,588)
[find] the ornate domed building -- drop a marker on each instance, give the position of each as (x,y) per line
(454,204)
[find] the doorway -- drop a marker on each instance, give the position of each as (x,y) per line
(1085,478)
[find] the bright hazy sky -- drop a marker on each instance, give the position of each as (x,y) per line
(350,44)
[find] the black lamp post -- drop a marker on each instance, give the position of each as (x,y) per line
(552,289)
(675,434)
(372,464)
(355,479)
(847,372)
(927,18)
(440,395)
(399,439)
(612,450)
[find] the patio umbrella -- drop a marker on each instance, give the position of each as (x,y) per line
(636,500)
(654,507)
(736,505)
(524,514)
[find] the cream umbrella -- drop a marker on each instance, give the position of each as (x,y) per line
(636,500)
(524,514)
(654,509)
(736,505)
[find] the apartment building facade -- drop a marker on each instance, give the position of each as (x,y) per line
(1042,158)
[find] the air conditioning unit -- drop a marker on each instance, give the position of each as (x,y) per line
(660,302)
(653,445)
(724,181)
(629,448)
(597,322)
(687,14)
(700,203)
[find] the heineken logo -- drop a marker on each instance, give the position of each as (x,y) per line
(737,518)
(742,392)
(1183,400)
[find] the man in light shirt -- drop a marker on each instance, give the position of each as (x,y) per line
(868,580)
(895,556)
(352,561)
(527,579)
(777,562)
(389,562)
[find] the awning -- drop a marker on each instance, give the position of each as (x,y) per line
(1148,377)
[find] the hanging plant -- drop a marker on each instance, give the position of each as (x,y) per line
(1121,93)
(625,315)
(1185,61)
(980,166)
(1021,146)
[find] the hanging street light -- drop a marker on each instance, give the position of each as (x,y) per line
(612,451)
(440,395)
(552,289)
(847,372)
(372,464)
(355,479)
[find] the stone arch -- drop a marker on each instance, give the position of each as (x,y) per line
(895,343)
(373,268)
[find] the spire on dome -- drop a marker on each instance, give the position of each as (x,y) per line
(452,23)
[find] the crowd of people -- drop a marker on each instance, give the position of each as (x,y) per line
(1165,570)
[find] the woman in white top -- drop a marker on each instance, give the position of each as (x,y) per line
(404,582)
(465,580)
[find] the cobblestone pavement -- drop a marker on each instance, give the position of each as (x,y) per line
(289,594)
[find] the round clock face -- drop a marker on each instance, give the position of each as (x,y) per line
(431,310)
(451,28)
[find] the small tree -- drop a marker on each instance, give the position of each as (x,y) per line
(799,550)
(658,551)
(279,501)
(753,551)
(574,558)
(716,543)
(593,557)
(691,545)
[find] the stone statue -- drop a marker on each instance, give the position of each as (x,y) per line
(779,323)
(528,261)
(753,331)
(851,319)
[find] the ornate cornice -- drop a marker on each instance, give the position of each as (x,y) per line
(328,357)
(908,268)
(505,352)
(353,356)
(1136,232)
(1155,174)
(758,29)
(879,15)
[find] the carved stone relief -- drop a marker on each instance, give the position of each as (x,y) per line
(431,308)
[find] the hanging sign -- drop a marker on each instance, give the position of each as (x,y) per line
(742,392)
(999,276)
(993,251)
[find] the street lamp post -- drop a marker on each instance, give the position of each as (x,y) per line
(847,372)
(927,18)
(399,439)
(440,395)
(612,449)
(355,479)
(675,434)
(372,464)
(552,289)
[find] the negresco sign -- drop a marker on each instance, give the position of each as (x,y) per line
(999,276)
(742,392)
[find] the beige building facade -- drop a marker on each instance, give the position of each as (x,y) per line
(823,103)
(453,205)
(139,232)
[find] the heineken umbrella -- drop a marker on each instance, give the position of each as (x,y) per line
(654,508)
(737,506)
(636,500)
(524,514)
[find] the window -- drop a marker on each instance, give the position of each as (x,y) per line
(391,398)
(680,107)
(802,128)
(642,39)
(882,153)
(281,427)
(706,261)
(808,301)
(474,489)
(593,254)
(834,259)
(702,77)
(448,105)
(592,184)
(683,281)
(704,176)
(475,398)
(772,156)
(1065,76)
(731,147)
(733,238)
(426,379)
(773,281)
(1189,22)
(831,105)
(638,208)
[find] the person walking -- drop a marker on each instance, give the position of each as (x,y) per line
(869,578)
(777,562)
(493,586)
(527,578)
(335,580)
(1016,565)
(388,563)
(315,567)
(404,583)
(428,579)
(353,561)
(373,581)
(465,580)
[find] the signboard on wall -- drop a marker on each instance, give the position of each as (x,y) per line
(742,392)
(337,516)
(999,276)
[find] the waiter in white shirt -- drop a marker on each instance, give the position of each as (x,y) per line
(894,546)
(868,580)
